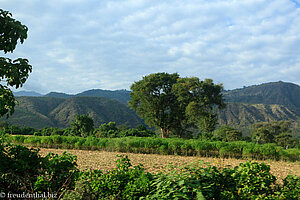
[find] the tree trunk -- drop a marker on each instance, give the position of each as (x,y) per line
(164,133)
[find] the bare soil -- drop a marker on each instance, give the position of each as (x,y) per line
(154,163)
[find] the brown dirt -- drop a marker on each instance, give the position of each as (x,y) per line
(154,163)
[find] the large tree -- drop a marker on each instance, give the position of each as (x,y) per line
(13,73)
(174,104)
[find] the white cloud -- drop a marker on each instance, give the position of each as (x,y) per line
(78,45)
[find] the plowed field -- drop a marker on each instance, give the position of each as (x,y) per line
(154,163)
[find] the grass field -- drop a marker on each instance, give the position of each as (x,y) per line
(155,163)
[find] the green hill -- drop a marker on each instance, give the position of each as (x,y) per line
(275,101)
(58,95)
(39,112)
(281,93)
(244,114)
(122,96)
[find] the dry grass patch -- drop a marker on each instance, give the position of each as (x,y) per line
(154,163)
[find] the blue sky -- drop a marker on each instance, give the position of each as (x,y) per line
(76,45)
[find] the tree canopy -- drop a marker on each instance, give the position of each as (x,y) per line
(175,104)
(13,73)
(274,132)
(83,126)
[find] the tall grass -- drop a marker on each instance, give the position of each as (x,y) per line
(169,146)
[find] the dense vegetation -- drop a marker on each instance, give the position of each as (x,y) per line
(172,146)
(268,141)
(13,73)
(26,172)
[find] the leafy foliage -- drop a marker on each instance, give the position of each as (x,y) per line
(83,126)
(13,72)
(111,130)
(227,134)
(123,182)
(250,180)
(255,179)
(274,132)
(24,170)
(174,104)
(16,130)
(171,146)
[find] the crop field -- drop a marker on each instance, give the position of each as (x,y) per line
(88,159)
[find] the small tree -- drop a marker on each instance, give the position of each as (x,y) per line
(107,130)
(274,132)
(13,73)
(83,126)
(227,134)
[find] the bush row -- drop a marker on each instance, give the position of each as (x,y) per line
(169,146)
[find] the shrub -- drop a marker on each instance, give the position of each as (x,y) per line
(291,188)
(24,170)
(253,178)
(123,182)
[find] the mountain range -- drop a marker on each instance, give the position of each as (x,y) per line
(122,96)
(272,101)
(39,112)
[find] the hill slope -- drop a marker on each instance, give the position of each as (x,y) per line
(122,96)
(39,112)
(281,93)
(245,114)
(27,93)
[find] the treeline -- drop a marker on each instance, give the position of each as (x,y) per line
(82,126)
(28,173)
(278,133)
(166,146)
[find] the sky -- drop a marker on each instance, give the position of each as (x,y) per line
(77,45)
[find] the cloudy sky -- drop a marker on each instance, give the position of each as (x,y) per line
(76,45)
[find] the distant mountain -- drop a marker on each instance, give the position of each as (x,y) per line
(245,114)
(58,95)
(27,93)
(122,96)
(39,112)
(275,101)
(281,93)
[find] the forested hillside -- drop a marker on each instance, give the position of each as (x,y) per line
(281,93)
(119,95)
(39,112)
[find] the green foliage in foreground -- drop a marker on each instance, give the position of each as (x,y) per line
(24,170)
(13,73)
(249,180)
(168,146)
